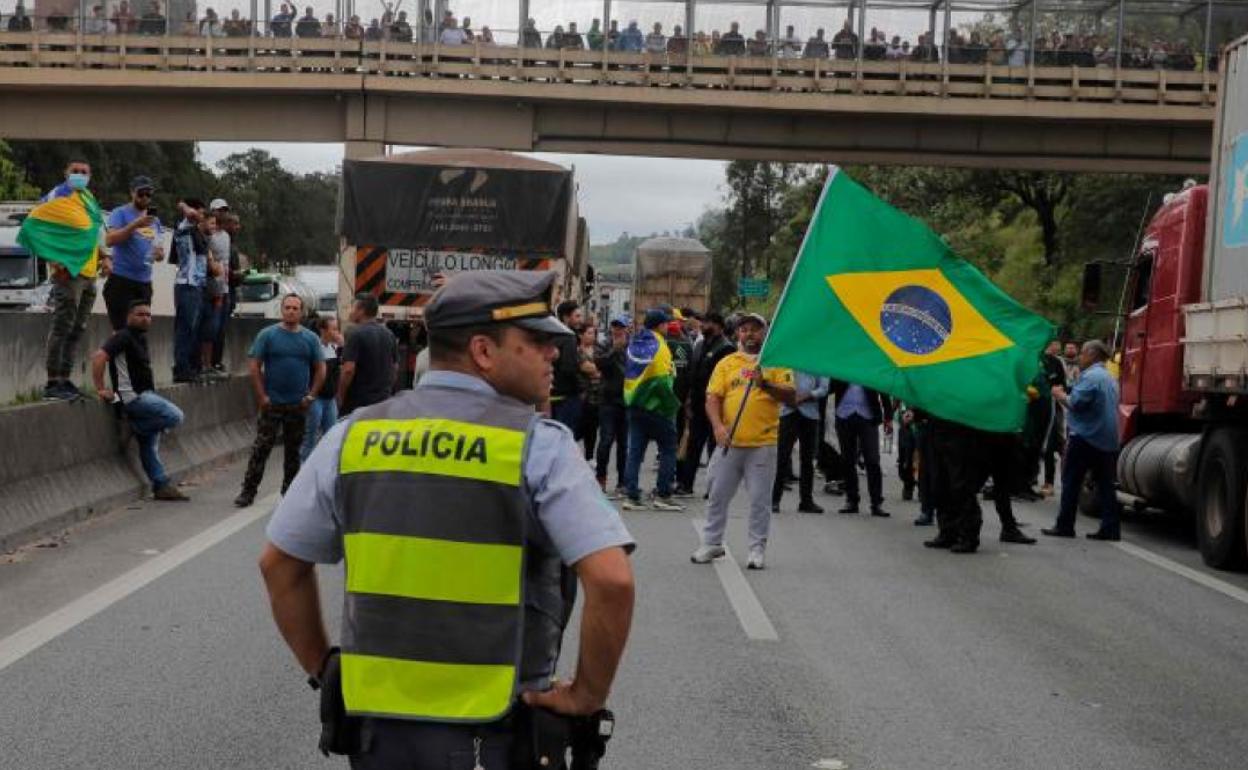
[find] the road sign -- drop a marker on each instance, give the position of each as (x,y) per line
(753,287)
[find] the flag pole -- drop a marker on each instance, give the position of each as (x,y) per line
(814,217)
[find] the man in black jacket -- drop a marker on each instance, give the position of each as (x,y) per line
(566,398)
(707,353)
(610,359)
(859,414)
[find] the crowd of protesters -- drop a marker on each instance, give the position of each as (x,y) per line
(998,46)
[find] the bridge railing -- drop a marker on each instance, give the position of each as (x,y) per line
(407,61)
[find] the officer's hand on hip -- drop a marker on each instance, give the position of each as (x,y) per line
(564,698)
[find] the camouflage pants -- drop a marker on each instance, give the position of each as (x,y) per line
(71,307)
(290,420)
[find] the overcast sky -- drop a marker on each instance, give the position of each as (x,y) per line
(617,194)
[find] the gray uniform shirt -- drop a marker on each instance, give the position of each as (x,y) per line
(577,518)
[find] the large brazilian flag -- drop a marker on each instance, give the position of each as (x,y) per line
(65,230)
(878,299)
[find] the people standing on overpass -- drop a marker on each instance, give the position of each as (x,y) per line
(631,39)
(656,41)
(282,21)
(134,234)
(19,21)
(649,392)
(530,37)
(190,250)
(594,36)
(308,25)
(370,359)
(565,392)
(1092,446)
(817,46)
(451,33)
(401,30)
(845,42)
(153,21)
(513,520)
(129,366)
(64,231)
(743,405)
(287,371)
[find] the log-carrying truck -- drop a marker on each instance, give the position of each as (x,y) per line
(1183,413)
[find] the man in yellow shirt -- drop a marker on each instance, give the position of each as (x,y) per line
(749,453)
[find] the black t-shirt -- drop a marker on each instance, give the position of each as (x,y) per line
(375,353)
(129,364)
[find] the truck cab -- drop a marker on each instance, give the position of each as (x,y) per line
(21,272)
(1166,276)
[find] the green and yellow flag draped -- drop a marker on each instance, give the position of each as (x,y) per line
(65,230)
(878,299)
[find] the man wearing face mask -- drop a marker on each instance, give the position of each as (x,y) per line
(72,295)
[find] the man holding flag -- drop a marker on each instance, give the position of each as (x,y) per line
(743,404)
(893,309)
(649,382)
(64,230)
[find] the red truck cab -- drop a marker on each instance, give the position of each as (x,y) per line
(1166,276)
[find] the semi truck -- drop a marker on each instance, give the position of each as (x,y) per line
(671,271)
(1183,412)
(260,295)
(405,219)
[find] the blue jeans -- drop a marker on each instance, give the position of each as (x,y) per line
(188,304)
(149,416)
(1082,457)
(322,414)
(567,410)
(644,427)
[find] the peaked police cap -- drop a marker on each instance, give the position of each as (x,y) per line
(482,297)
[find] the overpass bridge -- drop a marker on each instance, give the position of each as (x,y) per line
(368,94)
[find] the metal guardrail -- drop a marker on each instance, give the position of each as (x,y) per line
(293,57)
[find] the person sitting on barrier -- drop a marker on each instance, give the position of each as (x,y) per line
(130,368)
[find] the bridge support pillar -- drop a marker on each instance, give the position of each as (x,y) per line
(356,150)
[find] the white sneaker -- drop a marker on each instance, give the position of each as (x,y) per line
(707,553)
(634,505)
(664,504)
(756,559)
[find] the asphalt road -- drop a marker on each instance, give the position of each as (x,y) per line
(1068,654)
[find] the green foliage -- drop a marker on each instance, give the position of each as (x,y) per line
(287,218)
(13,184)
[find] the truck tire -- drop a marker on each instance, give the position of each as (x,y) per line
(1220,499)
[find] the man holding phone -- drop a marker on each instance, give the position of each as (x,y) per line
(134,235)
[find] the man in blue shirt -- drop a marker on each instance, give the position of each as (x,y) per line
(134,235)
(287,368)
(1092,423)
(800,424)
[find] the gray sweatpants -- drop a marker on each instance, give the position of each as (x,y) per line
(757,467)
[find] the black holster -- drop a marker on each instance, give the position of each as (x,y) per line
(542,739)
(340,733)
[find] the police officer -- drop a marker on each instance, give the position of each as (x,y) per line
(461,515)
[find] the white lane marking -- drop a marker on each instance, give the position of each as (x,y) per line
(21,643)
(749,610)
(830,764)
(1196,576)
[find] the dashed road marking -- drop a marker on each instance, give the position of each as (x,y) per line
(744,602)
(1196,576)
(21,643)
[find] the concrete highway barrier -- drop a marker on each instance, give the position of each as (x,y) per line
(67,461)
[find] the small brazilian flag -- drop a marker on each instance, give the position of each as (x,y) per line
(65,230)
(876,298)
